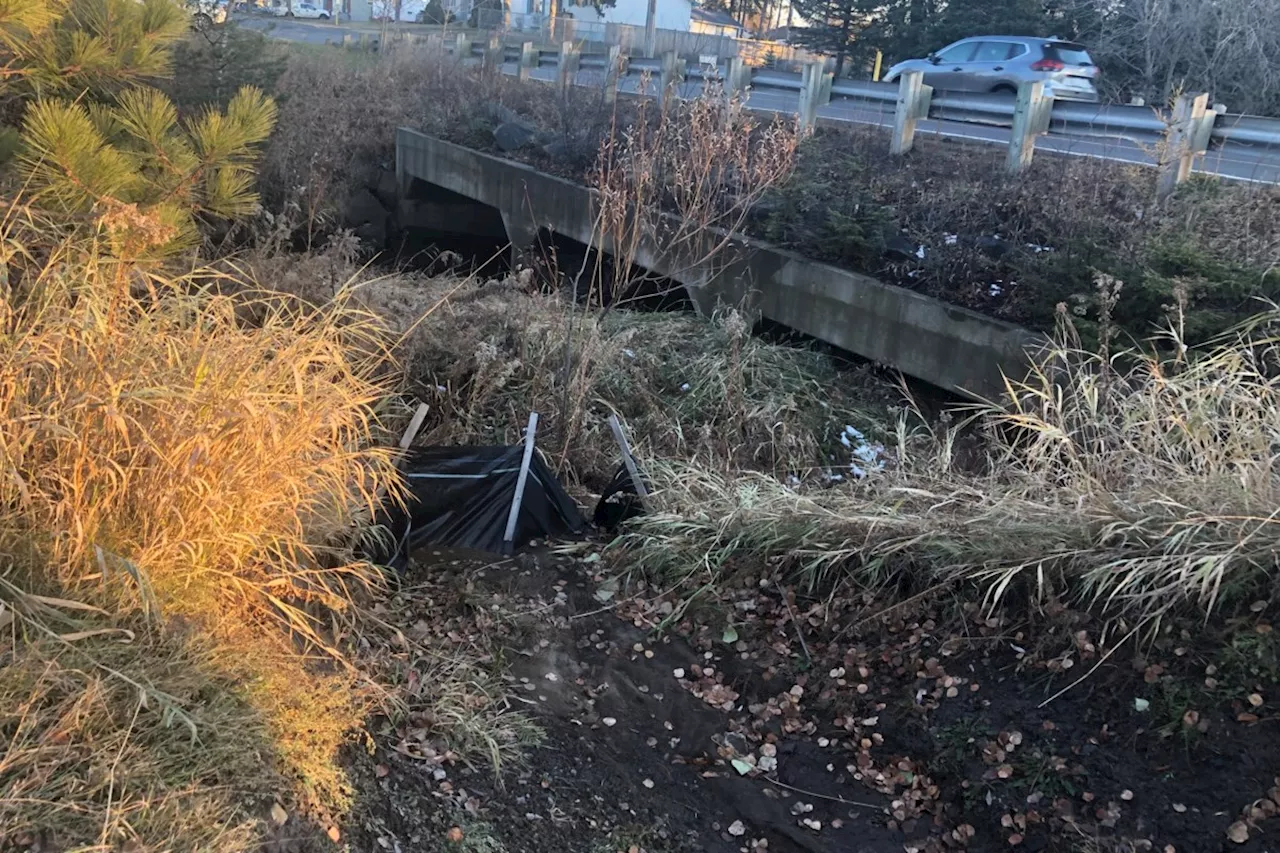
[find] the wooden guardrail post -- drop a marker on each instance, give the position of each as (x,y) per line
(493,54)
(528,61)
(614,68)
(810,91)
(1030,119)
(1180,142)
(736,76)
(349,41)
(567,69)
(913,104)
(462,48)
(670,75)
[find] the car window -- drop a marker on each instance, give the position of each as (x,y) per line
(958,52)
(993,51)
(1068,53)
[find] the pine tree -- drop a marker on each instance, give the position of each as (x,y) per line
(835,26)
(99,149)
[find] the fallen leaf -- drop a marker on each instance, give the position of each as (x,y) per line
(278,814)
(1238,832)
(381,770)
(334,834)
(730,635)
(454,835)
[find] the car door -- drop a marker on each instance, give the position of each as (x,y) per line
(986,69)
(949,65)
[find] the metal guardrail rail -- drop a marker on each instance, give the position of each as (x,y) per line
(1186,130)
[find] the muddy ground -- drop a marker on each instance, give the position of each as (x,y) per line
(756,720)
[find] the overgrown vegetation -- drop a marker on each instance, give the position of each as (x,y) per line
(949,222)
(488,353)
(185,461)
(1139,484)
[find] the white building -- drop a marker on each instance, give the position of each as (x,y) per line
(671,14)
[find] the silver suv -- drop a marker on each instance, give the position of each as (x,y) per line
(1001,63)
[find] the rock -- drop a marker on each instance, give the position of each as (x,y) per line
(387,189)
(560,149)
(899,248)
(514,135)
(498,113)
(993,246)
(373,233)
(363,207)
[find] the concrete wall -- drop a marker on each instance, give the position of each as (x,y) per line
(947,346)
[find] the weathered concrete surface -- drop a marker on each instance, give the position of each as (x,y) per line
(942,344)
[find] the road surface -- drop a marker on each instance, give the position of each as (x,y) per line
(1231,160)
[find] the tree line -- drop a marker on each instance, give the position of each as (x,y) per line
(1147,48)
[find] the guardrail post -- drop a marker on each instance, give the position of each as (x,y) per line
(567,68)
(613,69)
(810,91)
(1180,142)
(735,80)
(528,61)
(913,104)
(435,43)
(349,40)
(1030,119)
(462,48)
(493,54)
(672,74)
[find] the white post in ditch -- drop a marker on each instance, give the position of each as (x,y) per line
(1030,119)
(494,53)
(514,516)
(913,104)
(633,471)
(1180,154)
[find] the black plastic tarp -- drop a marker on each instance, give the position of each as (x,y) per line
(460,497)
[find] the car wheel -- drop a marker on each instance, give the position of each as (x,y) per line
(1005,89)
(324,16)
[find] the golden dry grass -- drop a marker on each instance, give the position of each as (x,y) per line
(182,472)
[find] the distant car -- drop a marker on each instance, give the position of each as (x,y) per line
(299,10)
(1003,63)
(307,10)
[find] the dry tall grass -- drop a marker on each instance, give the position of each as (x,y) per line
(1138,483)
(709,392)
(187,462)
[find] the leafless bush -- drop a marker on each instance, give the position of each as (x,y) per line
(679,181)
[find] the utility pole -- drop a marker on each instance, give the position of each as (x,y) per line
(650,30)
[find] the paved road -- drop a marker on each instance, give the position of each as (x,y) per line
(1231,160)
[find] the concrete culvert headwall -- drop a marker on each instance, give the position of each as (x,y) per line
(949,347)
